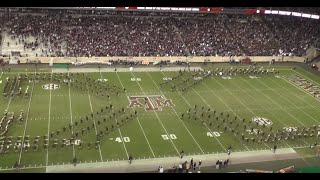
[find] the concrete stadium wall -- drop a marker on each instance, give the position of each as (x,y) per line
(156,59)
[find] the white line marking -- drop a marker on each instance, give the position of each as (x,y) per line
(144,134)
(71,118)
(118,128)
(177,115)
(25,127)
(303,90)
(279,119)
(306,76)
(47,155)
(159,120)
(274,103)
(95,127)
(294,103)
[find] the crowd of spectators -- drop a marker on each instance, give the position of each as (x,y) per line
(116,35)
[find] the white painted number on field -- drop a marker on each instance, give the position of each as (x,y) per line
(135,79)
(104,80)
(253,77)
(216,134)
(167,79)
(125,139)
(226,77)
(171,136)
(77,142)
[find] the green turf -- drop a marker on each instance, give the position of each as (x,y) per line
(156,133)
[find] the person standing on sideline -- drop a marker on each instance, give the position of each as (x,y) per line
(200,162)
(191,162)
(130,159)
(274,148)
(75,161)
(181,154)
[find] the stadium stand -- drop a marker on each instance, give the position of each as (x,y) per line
(68,33)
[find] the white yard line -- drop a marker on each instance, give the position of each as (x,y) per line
(25,127)
(298,87)
(317,109)
(227,104)
(275,104)
(279,119)
(307,77)
(10,93)
(201,118)
(94,123)
(144,134)
(71,117)
(177,115)
(124,146)
(158,118)
(292,103)
(279,104)
(49,117)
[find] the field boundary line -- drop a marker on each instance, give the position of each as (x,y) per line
(177,115)
(71,116)
(144,134)
(159,119)
(94,123)
(25,126)
(161,158)
(118,127)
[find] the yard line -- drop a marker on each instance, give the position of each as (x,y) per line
(307,77)
(47,156)
(118,127)
(287,101)
(177,115)
(201,118)
(279,119)
(71,117)
(144,134)
(1,74)
(300,88)
(25,127)
(229,106)
(158,118)
(295,95)
(278,105)
(10,93)
(291,102)
(94,123)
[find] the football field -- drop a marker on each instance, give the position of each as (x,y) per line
(108,116)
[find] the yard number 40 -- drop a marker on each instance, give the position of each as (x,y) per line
(125,139)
